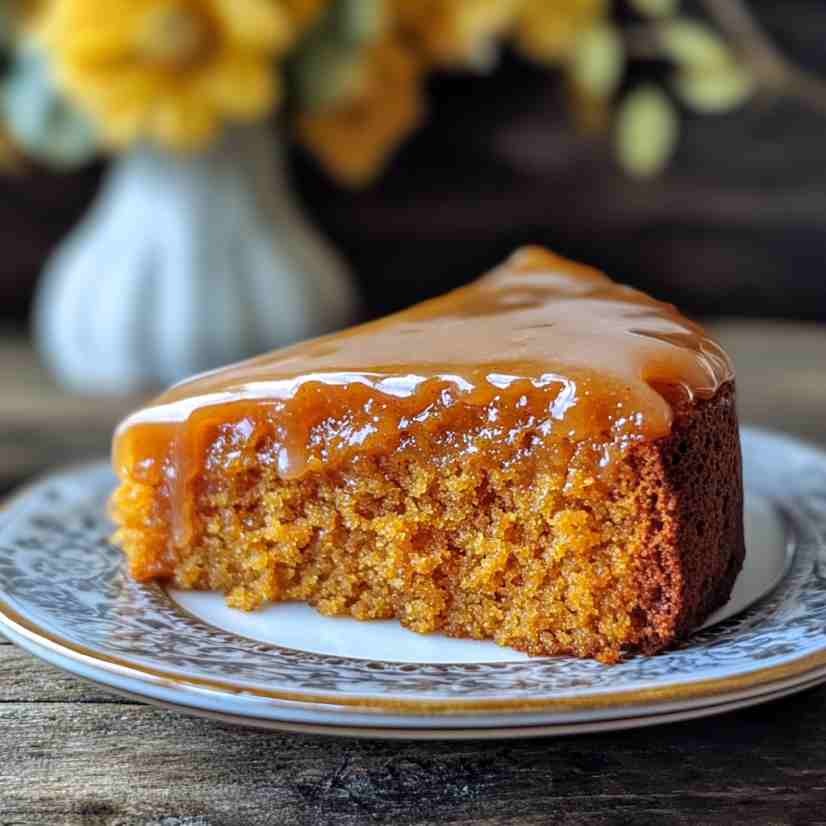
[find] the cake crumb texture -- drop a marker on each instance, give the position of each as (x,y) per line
(540,552)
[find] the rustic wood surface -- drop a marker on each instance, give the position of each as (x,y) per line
(71,753)
(41,426)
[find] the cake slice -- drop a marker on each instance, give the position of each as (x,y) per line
(543,458)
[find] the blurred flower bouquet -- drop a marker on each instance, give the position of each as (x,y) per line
(347,75)
(196,221)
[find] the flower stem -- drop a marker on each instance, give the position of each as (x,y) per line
(772,69)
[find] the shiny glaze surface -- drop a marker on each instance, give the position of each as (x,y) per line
(541,348)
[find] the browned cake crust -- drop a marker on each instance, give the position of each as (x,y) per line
(545,560)
(691,499)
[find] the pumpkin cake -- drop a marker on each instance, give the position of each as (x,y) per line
(543,458)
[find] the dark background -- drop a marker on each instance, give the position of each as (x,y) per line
(735,226)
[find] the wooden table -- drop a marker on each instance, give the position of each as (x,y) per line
(42,426)
(72,754)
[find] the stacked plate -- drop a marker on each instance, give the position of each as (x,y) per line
(64,597)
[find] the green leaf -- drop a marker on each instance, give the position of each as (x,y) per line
(358,21)
(599,61)
(692,44)
(655,8)
(327,66)
(647,130)
(39,118)
(325,73)
(717,91)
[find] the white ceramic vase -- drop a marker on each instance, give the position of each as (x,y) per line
(184,264)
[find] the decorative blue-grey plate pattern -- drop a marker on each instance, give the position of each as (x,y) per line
(64,595)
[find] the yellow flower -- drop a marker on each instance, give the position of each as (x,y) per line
(547,30)
(172,71)
(454,31)
(354,138)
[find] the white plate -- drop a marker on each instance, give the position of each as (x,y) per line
(64,596)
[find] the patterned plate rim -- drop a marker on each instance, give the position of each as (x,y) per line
(704,691)
(466,730)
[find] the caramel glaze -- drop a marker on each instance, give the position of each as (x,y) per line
(539,351)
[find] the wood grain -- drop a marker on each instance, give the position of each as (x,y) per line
(25,679)
(71,755)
